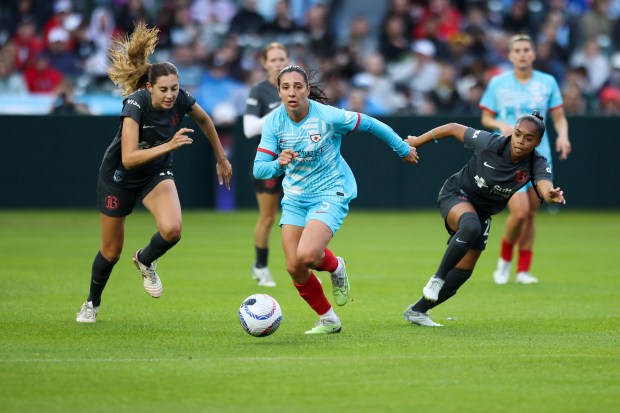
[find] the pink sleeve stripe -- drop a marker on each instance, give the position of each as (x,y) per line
(267,152)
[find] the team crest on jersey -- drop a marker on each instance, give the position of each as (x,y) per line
(521,176)
(118,176)
(175,120)
(315,138)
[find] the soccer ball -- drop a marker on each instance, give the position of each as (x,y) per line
(260,315)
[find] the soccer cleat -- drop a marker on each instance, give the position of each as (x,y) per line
(263,276)
(432,288)
(152,282)
(88,313)
(326,326)
(340,283)
(421,319)
(525,278)
(502,273)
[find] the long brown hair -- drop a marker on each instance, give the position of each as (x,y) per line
(129,67)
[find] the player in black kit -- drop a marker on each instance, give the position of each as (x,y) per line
(499,167)
(264,98)
(138,163)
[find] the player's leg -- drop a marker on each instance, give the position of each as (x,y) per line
(463,222)
(526,242)
(267,210)
(307,284)
(518,212)
(163,203)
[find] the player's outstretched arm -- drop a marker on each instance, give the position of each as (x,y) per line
(550,194)
(434,135)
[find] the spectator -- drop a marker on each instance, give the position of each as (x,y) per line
(444,96)
(40,77)
(322,40)
(283,26)
(131,13)
(247,21)
(11,81)
(596,24)
(394,41)
(59,55)
(27,42)
(64,104)
(380,88)
(596,63)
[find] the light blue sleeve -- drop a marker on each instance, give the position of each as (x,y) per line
(489,97)
(555,100)
(385,133)
(266,164)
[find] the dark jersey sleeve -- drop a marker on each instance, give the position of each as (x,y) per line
(542,170)
(479,140)
(253,103)
(185,100)
(132,106)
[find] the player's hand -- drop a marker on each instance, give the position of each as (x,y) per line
(286,157)
(413,141)
(557,196)
(224,172)
(180,138)
(563,147)
(412,157)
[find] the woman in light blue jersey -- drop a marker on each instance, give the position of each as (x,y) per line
(301,140)
(508,96)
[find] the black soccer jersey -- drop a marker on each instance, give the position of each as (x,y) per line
(490,178)
(156,127)
(263,98)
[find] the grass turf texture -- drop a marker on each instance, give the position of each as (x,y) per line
(551,347)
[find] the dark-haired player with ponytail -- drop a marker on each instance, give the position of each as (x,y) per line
(138,163)
(301,140)
(508,96)
(499,167)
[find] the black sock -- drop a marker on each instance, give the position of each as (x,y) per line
(262,254)
(155,249)
(454,280)
(101,271)
(468,232)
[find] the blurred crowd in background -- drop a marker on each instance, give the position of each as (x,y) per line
(381,57)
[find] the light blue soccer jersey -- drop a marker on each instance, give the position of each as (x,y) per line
(510,99)
(319,172)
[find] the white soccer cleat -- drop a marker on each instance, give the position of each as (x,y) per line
(421,319)
(432,288)
(502,273)
(525,278)
(263,276)
(152,282)
(88,313)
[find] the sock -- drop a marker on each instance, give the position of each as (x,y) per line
(312,292)
(330,262)
(468,232)
(454,280)
(100,274)
(506,250)
(525,261)
(262,255)
(331,314)
(155,249)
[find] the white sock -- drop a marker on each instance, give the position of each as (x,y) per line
(339,267)
(329,315)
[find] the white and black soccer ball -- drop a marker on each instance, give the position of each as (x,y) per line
(260,315)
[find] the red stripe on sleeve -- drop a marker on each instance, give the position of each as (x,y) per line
(359,119)
(556,107)
(487,109)
(267,152)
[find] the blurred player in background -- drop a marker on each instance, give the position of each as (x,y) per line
(264,98)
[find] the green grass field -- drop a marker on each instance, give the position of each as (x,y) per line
(551,347)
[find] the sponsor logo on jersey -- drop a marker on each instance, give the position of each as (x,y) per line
(147,126)
(475,135)
(488,166)
(251,101)
(480,182)
(505,192)
(274,105)
(132,102)
(315,138)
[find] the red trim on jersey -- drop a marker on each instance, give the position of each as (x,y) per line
(561,105)
(267,152)
(487,109)
(359,119)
